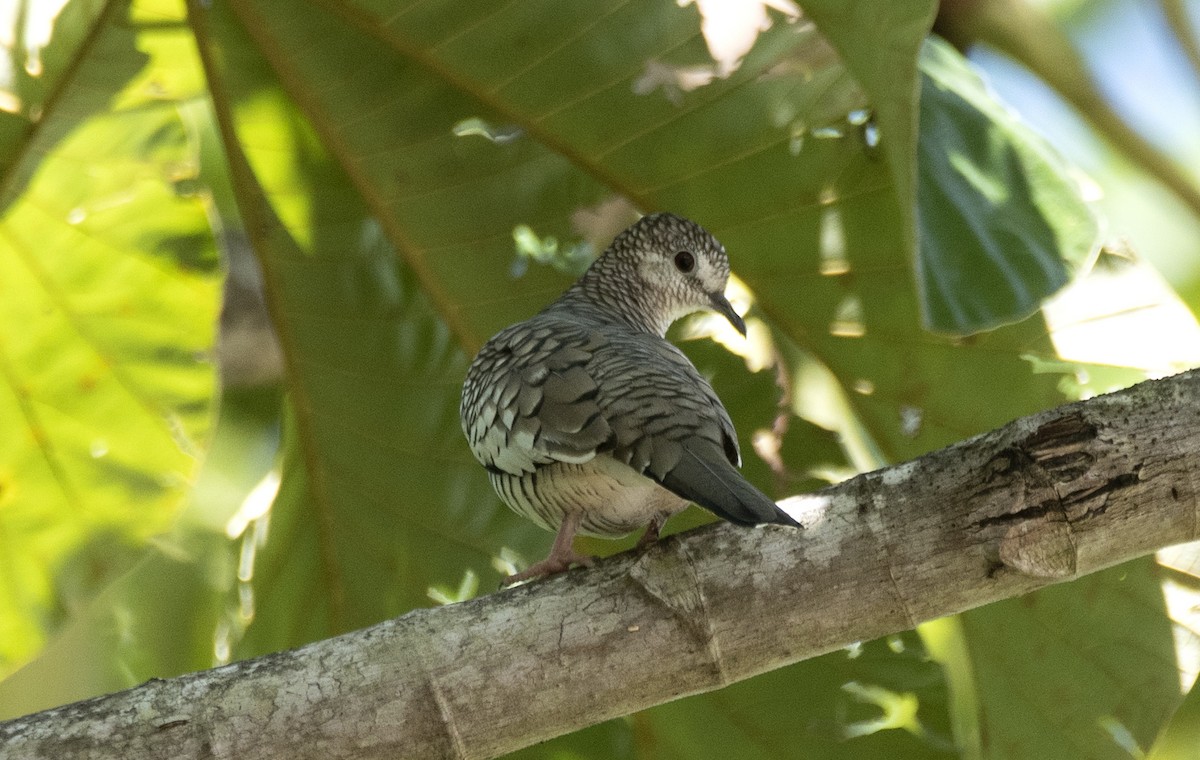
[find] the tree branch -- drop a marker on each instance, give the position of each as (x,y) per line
(1044,499)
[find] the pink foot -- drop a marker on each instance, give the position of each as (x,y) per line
(562,556)
(551,565)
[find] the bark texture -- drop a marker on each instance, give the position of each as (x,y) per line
(1044,499)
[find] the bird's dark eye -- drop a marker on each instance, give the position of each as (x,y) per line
(685,261)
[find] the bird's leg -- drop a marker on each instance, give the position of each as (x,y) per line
(651,535)
(562,554)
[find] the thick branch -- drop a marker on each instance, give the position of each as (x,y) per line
(1042,500)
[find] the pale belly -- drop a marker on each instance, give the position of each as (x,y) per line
(613,499)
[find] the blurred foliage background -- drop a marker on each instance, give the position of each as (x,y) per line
(248,248)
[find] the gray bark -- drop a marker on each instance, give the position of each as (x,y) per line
(1044,499)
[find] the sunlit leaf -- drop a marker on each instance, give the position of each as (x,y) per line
(1179,737)
(1002,221)
(182,605)
(108,296)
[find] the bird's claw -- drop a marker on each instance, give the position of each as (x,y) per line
(552,565)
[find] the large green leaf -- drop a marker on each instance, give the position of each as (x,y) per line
(181,605)
(108,296)
(352,537)
(1182,734)
(1180,565)
(1084,670)
(1001,219)
(43,42)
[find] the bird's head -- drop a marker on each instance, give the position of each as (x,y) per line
(671,267)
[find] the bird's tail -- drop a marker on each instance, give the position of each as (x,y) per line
(710,480)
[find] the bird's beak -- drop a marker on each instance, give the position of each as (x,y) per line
(722,306)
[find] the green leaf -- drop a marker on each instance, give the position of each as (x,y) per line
(1181,735)
(45,42)
(109,289)
(876,42)
(120,640)
(1077,670)
(1001,219)
(1180,565)
(372,442)
(181,605)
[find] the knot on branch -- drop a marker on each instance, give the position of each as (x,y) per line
(1059,448)
(1055,483)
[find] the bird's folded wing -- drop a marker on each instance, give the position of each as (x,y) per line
(530,399)
(550,390)
(554,391)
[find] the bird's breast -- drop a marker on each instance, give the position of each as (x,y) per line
(613,499)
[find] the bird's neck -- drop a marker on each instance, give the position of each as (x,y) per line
(607,300)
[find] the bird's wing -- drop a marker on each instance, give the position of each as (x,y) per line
(670,426)
(530,400)
(550,390)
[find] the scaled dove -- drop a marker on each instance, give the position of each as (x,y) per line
(589,421)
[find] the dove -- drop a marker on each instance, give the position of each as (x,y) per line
(588,421)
